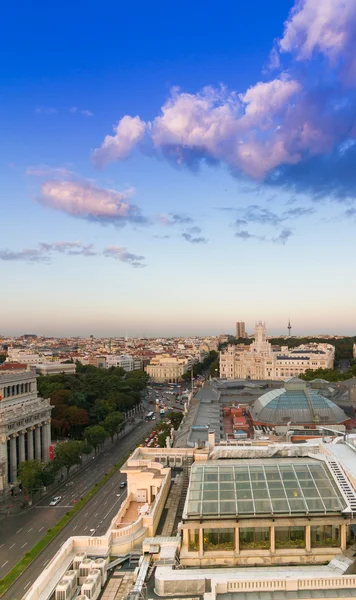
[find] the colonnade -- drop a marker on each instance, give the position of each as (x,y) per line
(32,443)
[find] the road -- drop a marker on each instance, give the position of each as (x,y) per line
(344,365)
(20,532)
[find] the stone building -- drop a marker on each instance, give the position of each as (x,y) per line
(168,368)
(25,423)
(261,361)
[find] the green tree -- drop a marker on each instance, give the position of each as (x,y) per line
(77,418)
(95,436)
(2,358)
(176,419)
(29,474)
(68,454)
(113,424)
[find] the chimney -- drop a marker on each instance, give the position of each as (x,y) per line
(211,440)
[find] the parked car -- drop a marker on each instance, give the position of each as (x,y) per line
(56,500)
(123,484)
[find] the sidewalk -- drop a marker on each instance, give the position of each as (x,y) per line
(11,505)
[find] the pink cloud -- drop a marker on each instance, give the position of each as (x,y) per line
(276,123)
(84,199)
(128,132)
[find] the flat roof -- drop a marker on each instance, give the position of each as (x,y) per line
(255,488)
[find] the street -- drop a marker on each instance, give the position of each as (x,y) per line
(21,531)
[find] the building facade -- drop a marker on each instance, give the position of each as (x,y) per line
(167,368)
(260,361)
(25,424)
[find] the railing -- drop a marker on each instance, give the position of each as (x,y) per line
(129,530)
(297,584)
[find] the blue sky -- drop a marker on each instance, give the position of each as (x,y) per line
(170,170)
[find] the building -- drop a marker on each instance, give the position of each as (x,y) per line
(260,361)
(284,516)
(295,404)
(125,361)
(240,330)
(55,368)
(25,423)
(250,512)
(168,368)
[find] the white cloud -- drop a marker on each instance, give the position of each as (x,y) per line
(128,132)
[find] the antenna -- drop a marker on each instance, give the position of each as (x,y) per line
(289,327)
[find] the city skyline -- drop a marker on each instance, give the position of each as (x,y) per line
(146,175)
(272,331)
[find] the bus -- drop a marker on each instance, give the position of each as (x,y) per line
(149,416)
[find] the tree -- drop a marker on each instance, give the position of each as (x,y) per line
(113,424)
(68,454)
(176,419)
(2,358)
(95,436)
(29,475)
(77,418)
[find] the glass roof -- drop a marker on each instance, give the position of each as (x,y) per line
(217,490)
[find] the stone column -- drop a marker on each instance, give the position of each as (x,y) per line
(46,440)
(13,458)
(22,446)
(307,538)
(273,542)
(38,442)
(237,540)
(343,536)
(30,443)
(201,542)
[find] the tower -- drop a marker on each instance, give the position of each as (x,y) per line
(240,329)
(289,327)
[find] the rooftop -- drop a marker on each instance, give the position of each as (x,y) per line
(263,487)
(297,404)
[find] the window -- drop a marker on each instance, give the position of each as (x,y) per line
(289,537)
(351,535)
(254,537)
(325,536)
(219,539)
(193,540)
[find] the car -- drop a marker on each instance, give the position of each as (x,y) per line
(56,500)
(123,484)
(153,418)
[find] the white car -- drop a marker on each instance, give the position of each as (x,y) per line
(56,500)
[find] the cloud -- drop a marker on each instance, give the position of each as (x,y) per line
(46,171)
(193,239)
(281,238)
(327,28)
(45,110)
(83,199)
(28,255)
(162,237)
(45,252)
(278,130)
(69,248)
(128,133)
(263,216)
(175,219)
(120,253)
(86,113)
